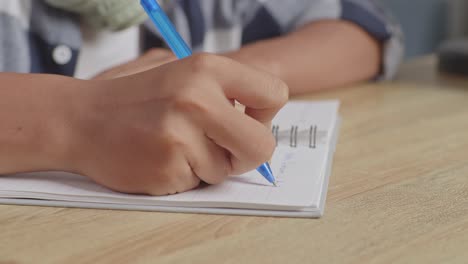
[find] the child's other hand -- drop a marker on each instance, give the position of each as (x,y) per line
(151,59)
(164,130)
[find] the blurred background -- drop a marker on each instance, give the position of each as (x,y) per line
(427,23)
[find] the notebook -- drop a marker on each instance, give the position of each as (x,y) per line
(306,134)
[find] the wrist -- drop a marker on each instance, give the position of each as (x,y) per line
(72,123)
(59,135)
(81,127)
(35,131)
(56,135)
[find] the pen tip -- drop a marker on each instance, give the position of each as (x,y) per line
(274,184)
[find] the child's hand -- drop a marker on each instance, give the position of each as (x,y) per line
(151,59)
(164,130)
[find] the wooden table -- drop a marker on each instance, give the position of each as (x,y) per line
(398,194)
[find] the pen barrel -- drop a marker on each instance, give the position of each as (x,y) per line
(150,5)
(173,39)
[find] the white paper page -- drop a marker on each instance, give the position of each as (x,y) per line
(299,172)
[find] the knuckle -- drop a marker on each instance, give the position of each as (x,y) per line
(173,141)
(189,105)
(188,183)
(213,178)
(214,169)
(170,139)
(192,104)
(170,179)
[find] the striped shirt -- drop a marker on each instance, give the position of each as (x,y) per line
(37,38)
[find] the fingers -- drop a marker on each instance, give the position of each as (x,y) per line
(206,86)
(249,142)
(246,137)
(174,176)
(209,161)
(261,93)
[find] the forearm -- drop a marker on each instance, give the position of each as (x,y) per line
(320,55)
(33,121)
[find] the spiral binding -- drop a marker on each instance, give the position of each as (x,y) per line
(293,135)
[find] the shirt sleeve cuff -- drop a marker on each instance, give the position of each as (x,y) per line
(377,23)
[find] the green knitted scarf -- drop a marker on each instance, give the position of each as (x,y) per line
(110,14)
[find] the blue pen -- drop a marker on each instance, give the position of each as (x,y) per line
(181,50)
